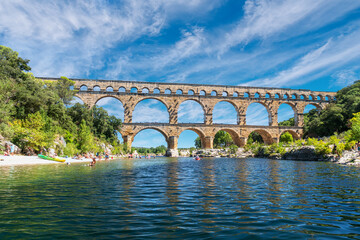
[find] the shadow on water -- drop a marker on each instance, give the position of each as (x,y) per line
(181,198)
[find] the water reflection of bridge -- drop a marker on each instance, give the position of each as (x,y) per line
(130,93)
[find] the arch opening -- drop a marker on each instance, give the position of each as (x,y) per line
(179,92)
(246,95)
(256,95)
(191,92)
(167,91)
(267,95)
(96,88)
(286,115)
(122,89)
(150,140)
(112,105)
(260,136)
(83,88)
(74,101)
(225,113)
(224,94)
(288,136)
(257,114)
(150,110)
(109,89)
(190,138)
(202,93)
(236,94)
(156,91)
(191,111)
(213,93)
(226,138)
(310,107)
(134,90)
(145,90)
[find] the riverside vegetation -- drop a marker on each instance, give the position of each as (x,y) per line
(35,117)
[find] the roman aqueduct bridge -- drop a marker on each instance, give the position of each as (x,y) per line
(130,93)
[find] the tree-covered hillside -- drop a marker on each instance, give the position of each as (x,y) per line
(33,114)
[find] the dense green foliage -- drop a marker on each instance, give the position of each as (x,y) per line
(255,137)
(286,137)
(34,114)
(335,117)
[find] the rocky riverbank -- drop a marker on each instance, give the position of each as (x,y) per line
(305,153)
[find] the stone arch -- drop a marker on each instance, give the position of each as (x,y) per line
(109,89)
(83,88)
(79,97)
(267,109)
(152,128)
(191,92)
(319,97)
(202,93)
(277,95)
(266,136)
(213,93)
(311,97)
(157,116)
(107,96)
(235,94)
(233,105)
(257,95)
(179,92)
(137,131)
(267,95)
(199,132)
(316,105)
(293,134)
(302,97)
(96,88)
(246,94)
(293,109)
(191,100)
(154,98)
(234,135)
(167,91)
(122,89)
(156,91)
(224,94)
(145,90)
(120,110)
(294,96)
(134,90)
(286,96)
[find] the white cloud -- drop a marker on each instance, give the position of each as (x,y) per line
(150,111)
(345,77)
(263,19)
(333,54)
(257,114)
(190,112)
(224,113)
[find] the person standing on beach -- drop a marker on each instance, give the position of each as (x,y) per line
(12,149)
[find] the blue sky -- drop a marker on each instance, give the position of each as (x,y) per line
(281,43)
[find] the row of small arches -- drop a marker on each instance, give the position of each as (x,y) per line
(191,111)
(215,93)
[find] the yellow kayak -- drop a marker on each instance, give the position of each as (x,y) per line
(50,158)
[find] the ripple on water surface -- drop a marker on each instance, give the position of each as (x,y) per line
(181,198)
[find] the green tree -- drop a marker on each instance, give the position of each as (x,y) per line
(286,137)
(255,137)
(222,139)
(198,142)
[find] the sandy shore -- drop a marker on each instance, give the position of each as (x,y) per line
(31,160)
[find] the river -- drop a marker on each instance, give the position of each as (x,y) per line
(179,198)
